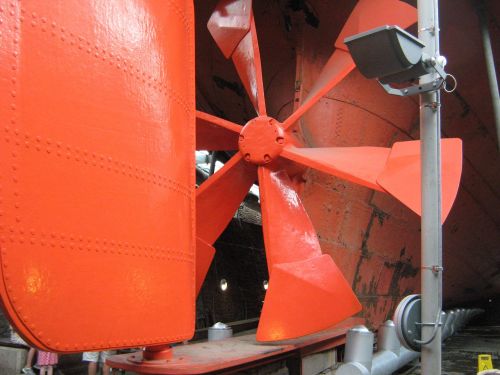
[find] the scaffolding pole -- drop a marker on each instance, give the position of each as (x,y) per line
(431,252)
(490,65)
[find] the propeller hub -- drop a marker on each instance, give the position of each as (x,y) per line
(261,140)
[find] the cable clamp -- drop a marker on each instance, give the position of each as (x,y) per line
(435,268)
(434,106)
(431,29)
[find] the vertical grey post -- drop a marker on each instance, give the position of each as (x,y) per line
(490,65)
(430,134)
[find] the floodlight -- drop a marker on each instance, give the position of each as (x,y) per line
(223,285)
(393,55)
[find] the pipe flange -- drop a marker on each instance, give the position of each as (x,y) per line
(407,319)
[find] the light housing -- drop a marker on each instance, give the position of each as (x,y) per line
(393,55)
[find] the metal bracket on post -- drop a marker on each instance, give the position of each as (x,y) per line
(431,65)
(436,326)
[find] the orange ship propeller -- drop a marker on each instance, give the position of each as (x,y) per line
(303,281)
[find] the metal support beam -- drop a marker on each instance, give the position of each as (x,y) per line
(431,258)
(490,65)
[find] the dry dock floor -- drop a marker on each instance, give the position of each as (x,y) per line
(461,350)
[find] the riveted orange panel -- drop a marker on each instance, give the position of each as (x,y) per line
(97,143)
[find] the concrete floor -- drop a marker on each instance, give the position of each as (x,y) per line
(460,351)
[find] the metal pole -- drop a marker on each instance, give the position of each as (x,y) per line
(490,65)
(430,134)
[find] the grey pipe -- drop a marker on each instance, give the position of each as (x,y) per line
(360,348)
(490,66)
(359,357)
(391,355)
(431,253)
(450,317)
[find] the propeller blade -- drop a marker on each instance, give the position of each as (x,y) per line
(288,232)
(303,282)
(232,26)
(218,198)
(246,59)
(361,165)
(204,256)
(401,177)
(229,23)
(305,297)
(367,14)
(216,134)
